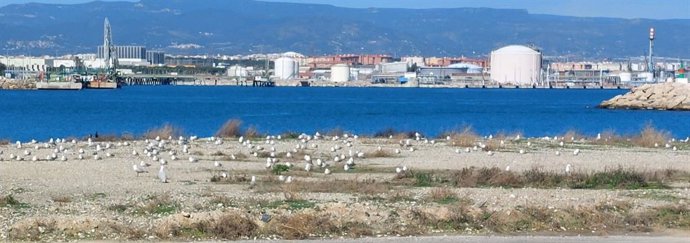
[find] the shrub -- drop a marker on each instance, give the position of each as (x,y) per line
(230,129)
(650,136)
(165,131)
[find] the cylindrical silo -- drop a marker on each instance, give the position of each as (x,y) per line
(515,64)
(340,73)
(285,68)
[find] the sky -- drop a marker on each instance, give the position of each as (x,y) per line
(653,9)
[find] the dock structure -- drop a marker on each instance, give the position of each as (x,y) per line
(263,83)
(150,79)
(58,86)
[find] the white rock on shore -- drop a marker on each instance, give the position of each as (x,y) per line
(664,96)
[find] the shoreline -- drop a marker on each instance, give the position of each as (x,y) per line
(465,185)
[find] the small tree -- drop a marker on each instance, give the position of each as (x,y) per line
(3,67)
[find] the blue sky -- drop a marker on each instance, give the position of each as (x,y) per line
(655,9)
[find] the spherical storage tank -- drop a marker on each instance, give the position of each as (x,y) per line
(515,64)
(340,73)
(286,68)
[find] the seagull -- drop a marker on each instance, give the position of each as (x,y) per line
(490,153)
(398,170)
(192,159)
(307,158)
(327,171)
(135,153)
(576,152)
(397,151)
(288,179)
(568,169)
(217,164)
(307,167)
(508,168)
(162,176)
(522,151)
(138,169)
(281,178)
(253,181)
(346,167)
(558,153)
(144,164)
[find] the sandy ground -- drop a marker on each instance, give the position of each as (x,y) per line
(92,185)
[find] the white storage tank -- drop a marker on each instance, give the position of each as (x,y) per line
(340,73)
(286,68)
(516,64)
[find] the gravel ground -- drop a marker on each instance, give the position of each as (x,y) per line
(74,190)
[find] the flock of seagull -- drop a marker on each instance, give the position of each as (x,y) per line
(154,150)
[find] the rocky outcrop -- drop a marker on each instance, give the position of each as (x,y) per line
(13,84)
(664,96)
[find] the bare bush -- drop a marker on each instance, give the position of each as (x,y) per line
(231,129)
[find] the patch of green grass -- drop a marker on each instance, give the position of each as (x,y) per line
(280,169)
(97,195)
(165,209)
(157,205)
(616,179)
(11,202)
(194,233)
(292,204)
(423,179)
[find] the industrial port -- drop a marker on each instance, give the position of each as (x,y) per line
(512,66)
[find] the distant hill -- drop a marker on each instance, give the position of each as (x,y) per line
(247,26)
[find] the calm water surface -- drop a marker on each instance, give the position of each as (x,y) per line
(202,110)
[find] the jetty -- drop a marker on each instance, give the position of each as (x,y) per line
(662,96)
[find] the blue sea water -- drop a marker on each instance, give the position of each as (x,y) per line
(202,110)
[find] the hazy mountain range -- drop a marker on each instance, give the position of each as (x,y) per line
(247,26)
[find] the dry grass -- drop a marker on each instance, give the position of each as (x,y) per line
(400,195)
(463,137)
(379,154)
(442,195)
(227,226)
(302,226)
(231,129)
(390,132)
(572,136)
(609,137)
(71,228)
(61,199)
(113,137)
(337,131)
(164,132)
(650,136)
(252,133)
(233,178)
